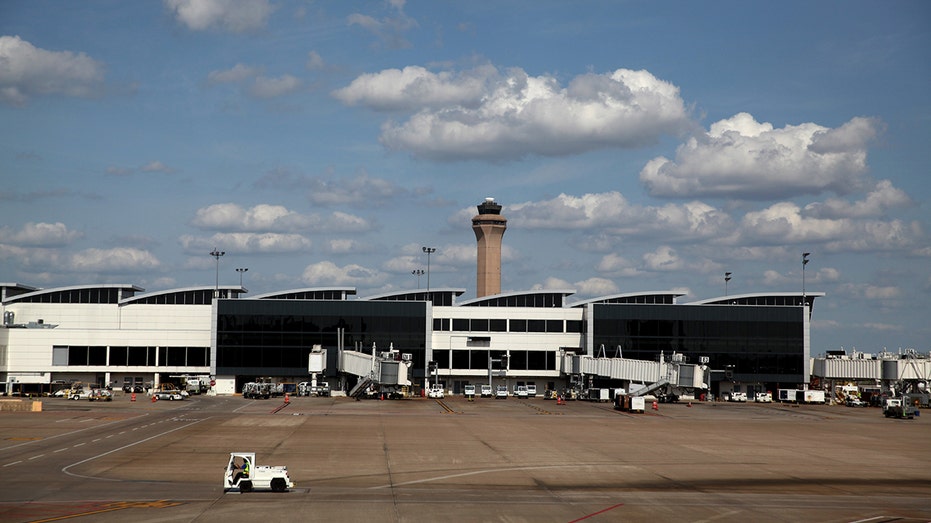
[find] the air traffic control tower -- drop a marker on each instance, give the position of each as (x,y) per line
(489,227)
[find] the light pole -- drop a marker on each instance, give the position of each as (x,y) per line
(805,256)
(418,273)
(727,278)
(240,271)
(216,254)
(429,251)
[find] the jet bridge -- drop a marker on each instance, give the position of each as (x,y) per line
(666,378)
(381,372)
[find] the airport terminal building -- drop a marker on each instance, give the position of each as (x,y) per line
(114,334)
(118,334)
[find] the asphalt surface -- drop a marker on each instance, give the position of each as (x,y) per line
(454,460)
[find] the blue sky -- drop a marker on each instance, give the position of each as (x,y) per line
(635,146)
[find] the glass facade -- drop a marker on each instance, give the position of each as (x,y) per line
(116,356)
(274,337)
(754,343)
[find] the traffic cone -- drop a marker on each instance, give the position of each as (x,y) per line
(655,406)
(287,398)
(154,398)
(690,404)
(133,397)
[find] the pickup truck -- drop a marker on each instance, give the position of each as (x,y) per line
(501,392)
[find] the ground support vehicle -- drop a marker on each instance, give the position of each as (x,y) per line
(810,396)
(739,397)
(599,395)
(242,474)
(80,394)
(306,388)
(628,403)
(788,395)
(501,393)
(253,390)
(435,391)
(853,401)
(100,395)
(469,392)
(521,392)
(763,397)
(486,391)
(531,390)
(895,408)
(170,395)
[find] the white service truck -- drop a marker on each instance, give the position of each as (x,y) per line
(244,475)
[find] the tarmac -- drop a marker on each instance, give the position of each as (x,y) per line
(419,460)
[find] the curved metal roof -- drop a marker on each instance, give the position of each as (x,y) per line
(120,286)
(610,297)
(505,295)
(737,298)
(166,292)
(413,292)
(347,291)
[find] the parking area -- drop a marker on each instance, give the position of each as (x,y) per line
(452,459)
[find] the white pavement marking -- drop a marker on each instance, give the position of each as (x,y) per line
(13,463)
(473,473)
(66,433)
(65,469)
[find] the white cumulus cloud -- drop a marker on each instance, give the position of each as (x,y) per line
(416,87)
(27,71)
(238,73)
(663,259)
(883,197)
(247,242)
(785,222)
(329,274)
(232,15)
(39,235)
(263,217)
(120,259)
(742,158)
(487,114)
(613,213)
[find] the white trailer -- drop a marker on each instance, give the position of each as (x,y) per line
(811,396)
(788,395)
(628,403)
